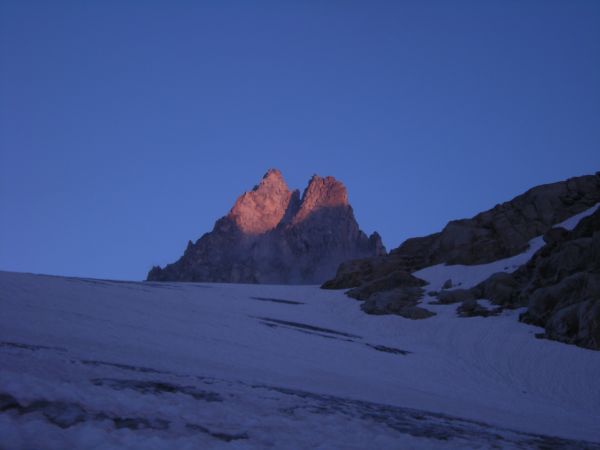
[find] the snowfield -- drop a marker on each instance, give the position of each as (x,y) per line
(88,363)
(98,364)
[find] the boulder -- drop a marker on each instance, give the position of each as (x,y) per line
(397,279)
(399,301)
(455,296)
(501,288)
(472,308)
(415,313)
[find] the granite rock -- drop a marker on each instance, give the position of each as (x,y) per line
(274,235)
(500,232)
(559,286)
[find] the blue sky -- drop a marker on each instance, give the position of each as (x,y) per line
(128,128)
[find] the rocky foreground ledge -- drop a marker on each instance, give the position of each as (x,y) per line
(560,285)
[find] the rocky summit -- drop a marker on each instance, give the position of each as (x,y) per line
(275,235)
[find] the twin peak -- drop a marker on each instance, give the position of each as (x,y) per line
(271,203)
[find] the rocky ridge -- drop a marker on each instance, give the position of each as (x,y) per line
(498,233)
(560,285)
(274,235)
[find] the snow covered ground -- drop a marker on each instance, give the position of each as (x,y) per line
(98,364)
(102,364)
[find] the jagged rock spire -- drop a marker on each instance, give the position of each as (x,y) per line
(261,209)
(321,193)
(271,235)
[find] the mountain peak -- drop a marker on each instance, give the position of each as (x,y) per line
(261,209)
(273,176)
(272,235)
(322,192)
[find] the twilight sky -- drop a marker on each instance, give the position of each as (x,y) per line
(127,128)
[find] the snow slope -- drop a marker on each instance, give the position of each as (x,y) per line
(99,364)
(102,364)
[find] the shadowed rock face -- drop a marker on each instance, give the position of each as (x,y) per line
(272,235)
(500,232)
(560,285)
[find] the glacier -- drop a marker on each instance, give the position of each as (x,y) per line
(87,363)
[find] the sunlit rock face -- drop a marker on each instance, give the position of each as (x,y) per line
(263,208)
(272,235)
(321,193)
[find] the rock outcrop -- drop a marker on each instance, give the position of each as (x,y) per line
(500,232)
(560,285)
(272,235)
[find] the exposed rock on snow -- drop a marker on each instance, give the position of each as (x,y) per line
(498,233)
(395,280)
(560,285)
(455,296)
(271,235)
(472,308)
(397,293)
(501,287)
(400,301)
(447,284)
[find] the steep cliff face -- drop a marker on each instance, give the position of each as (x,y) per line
(263,208)
(272,235)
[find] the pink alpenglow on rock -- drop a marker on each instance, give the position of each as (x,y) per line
(272,235)
(261,209)
(322,193)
